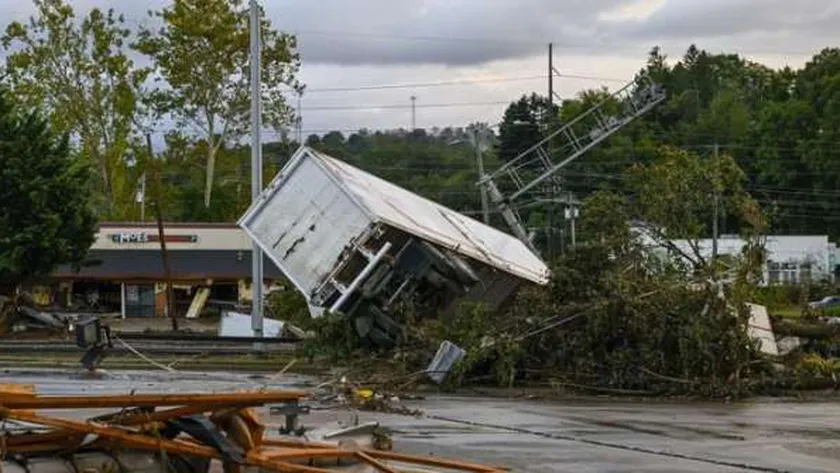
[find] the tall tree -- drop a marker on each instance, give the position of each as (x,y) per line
(524,124)
(201,53)
(80,73)
(46,218)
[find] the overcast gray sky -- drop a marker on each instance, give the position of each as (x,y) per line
(495,50)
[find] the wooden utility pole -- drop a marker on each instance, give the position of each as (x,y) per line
(550,122)
(158,205)
(716,204)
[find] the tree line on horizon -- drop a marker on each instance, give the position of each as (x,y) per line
(782,126)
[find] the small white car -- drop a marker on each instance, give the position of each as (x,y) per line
(825,302)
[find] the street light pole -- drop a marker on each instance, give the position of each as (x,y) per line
(256,175)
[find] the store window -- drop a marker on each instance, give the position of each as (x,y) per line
(139,300)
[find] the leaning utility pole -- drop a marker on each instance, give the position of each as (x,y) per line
(256,175)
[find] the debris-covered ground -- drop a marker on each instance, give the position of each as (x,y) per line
(538,436)
(637,307)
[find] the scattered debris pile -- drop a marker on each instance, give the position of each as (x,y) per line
(22,315)
(187,433)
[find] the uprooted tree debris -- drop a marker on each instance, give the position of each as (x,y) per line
(639,307)
(180,433)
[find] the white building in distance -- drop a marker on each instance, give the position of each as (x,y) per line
(791,259)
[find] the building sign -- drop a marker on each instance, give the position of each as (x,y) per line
(143,237)
(134,237)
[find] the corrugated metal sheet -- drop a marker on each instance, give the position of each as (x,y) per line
(304,223)
(422,217)
(341,202)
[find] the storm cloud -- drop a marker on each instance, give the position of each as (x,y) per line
(473,31)
(716,18)
(438,31)
(347,44)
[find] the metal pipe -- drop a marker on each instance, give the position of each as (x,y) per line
(361,277)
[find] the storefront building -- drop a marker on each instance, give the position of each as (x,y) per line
(210,266)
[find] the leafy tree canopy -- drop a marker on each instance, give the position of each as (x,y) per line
(203,67)
(80,73)
(46,218)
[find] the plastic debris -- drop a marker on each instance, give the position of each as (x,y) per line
(446,357)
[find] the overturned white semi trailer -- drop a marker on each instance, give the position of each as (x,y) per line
(355,244)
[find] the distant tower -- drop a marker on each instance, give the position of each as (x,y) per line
(413,113)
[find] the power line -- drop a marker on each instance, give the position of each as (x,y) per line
(405,106)
(456,82)
(419,85)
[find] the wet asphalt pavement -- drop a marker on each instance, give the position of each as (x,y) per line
(558,436)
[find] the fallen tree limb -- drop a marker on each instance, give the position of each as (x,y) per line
(665,378)
(816,331)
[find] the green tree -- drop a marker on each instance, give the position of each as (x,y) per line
(676,198)
(46,218)
(525,123)
(818,85)
(202,54)
(620,313)
(80,74)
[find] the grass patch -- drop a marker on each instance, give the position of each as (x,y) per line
(788,312)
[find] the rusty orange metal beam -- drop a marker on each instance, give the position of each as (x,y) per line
(144,442)
(33,438)
(126,438)
(44,446)
(290,443)
(258,459)
(150,400)
(159,416)
(452,464)
(308,453)
(375,463)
